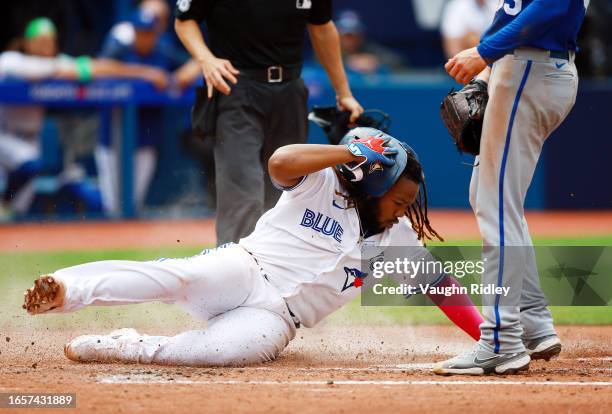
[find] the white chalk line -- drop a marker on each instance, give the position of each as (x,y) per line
(375,368)
(121,379)
(414,366)
(137,378)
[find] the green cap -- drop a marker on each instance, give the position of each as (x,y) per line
(39,26)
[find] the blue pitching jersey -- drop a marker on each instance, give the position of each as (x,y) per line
(544,24)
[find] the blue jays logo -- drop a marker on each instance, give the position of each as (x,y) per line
(357,276)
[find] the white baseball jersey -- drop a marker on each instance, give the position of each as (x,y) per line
(309,246)
(22,66)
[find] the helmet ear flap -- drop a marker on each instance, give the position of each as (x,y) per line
(351,175)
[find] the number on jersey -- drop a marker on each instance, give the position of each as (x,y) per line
(513,7)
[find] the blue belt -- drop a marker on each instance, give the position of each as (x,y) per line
(558,54)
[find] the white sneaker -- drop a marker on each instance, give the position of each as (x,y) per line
(481,362)
(544,347)
(119,345)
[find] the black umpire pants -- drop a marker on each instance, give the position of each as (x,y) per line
(252,122)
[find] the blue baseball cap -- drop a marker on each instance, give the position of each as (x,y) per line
(143,20)
(349,22)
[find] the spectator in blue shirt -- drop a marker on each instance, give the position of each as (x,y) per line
(141,41)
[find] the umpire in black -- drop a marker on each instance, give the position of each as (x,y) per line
(255,100)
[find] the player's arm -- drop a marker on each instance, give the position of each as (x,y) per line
(534,20)
(290,163)
(531,23)
(16,64)
(216,71)
(326,43)
(85,69)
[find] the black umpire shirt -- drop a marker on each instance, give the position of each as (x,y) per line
(255,34)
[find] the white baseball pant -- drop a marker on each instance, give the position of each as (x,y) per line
(530,94)
(249,321)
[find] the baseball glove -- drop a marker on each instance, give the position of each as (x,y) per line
(463,112)
(335,123)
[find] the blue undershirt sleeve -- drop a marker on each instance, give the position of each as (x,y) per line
(530,24)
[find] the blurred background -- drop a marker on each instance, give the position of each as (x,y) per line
(113,139)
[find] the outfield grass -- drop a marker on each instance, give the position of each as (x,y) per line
(19,270)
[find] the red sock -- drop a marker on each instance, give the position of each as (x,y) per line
(459,308)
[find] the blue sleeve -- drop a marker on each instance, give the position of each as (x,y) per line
(531,23)
(112,49)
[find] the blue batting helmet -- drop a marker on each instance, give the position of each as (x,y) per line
(376,179)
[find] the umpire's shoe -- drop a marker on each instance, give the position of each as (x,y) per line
(481,362)
(544,347)
(46,294)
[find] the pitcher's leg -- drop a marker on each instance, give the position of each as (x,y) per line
(241,336)
(496,211)
(536,318)
(474,185)
(558,93)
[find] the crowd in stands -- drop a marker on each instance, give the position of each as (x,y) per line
(143,46)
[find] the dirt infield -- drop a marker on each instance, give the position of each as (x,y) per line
(451,224)
(332,368)
(326,369)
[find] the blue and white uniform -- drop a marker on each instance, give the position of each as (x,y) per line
(300,264)
(532,88)
(544,24)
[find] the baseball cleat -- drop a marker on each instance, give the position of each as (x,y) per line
(545,347)
(46,294)
(101,348)
(482,362)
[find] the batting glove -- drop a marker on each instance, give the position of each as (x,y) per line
(371,151)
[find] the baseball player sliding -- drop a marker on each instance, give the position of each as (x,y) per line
(299,265)
(532,84)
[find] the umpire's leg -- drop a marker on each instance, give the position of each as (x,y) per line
(239,173)
(286,123)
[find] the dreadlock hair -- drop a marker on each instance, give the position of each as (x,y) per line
(416,213)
